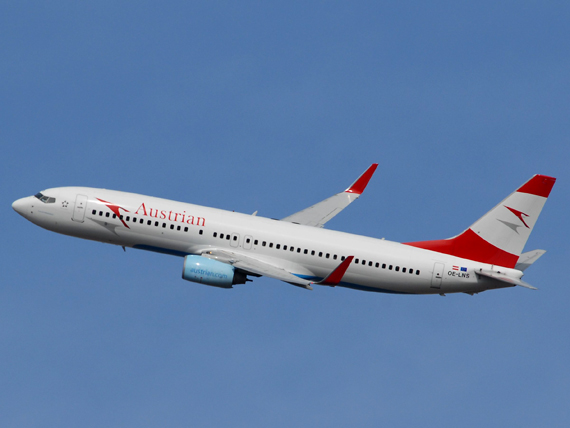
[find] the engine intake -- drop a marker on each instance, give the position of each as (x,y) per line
(211,272)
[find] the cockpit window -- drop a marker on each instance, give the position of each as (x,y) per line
(45,199)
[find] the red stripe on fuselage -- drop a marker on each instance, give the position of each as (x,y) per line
(470,246)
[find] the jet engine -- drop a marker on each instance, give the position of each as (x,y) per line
(211,272)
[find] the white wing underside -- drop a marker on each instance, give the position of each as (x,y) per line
(318,214)
(258,266)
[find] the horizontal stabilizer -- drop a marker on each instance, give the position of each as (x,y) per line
(317,215)
(528,258)
(504,278)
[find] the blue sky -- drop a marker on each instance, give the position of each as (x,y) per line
(271,107)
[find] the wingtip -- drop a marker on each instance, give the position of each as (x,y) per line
(360,184)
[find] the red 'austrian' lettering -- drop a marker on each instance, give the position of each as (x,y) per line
(182,217)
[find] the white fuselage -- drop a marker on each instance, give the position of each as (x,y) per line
(181,229)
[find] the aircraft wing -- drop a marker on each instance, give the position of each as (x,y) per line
(256,266)
(318,214)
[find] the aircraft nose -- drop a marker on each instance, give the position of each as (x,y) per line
(20,206)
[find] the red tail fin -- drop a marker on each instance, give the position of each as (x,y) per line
(499,236)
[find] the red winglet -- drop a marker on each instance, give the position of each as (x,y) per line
(539,185)
(360,184)
(336,275)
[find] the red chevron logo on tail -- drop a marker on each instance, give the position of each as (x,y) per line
(519,214)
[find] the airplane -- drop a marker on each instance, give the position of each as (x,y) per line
(223,248)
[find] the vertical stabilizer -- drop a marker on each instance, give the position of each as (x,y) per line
(500,235)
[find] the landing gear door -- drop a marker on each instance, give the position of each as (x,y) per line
(437,275)
(79,209)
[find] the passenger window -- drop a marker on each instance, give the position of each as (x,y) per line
(390,267)
(320,253)
(156,223)
(305,251)
(94,212)
(293,249)
(364,262)
(334,257)
(120,217)
(148,222)
(397,268)
(255,242)
(186,229)
(369,263)
(201,232)
(342,258)
(235,238)
(141,221)
(227,237)
(403,270)
(106,214)
(417,272)
(271,245)
(221,236)
(383,265)
(263,244)
(377,264)
(285,247)
(327,255)
(278,246)
(171,227)
(115,216)
(163,224)
(101,213)
(356,261)
(215,234)
(313,253)
(128,218)
(134,219)
(178,228)
(299,250)
(248,240)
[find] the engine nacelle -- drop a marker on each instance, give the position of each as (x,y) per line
(211,272)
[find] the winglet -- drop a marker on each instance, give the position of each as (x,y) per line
(336,275)
(360,184)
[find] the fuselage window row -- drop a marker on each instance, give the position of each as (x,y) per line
(141,221)
(227,236)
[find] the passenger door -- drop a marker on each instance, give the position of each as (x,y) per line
(79,208)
